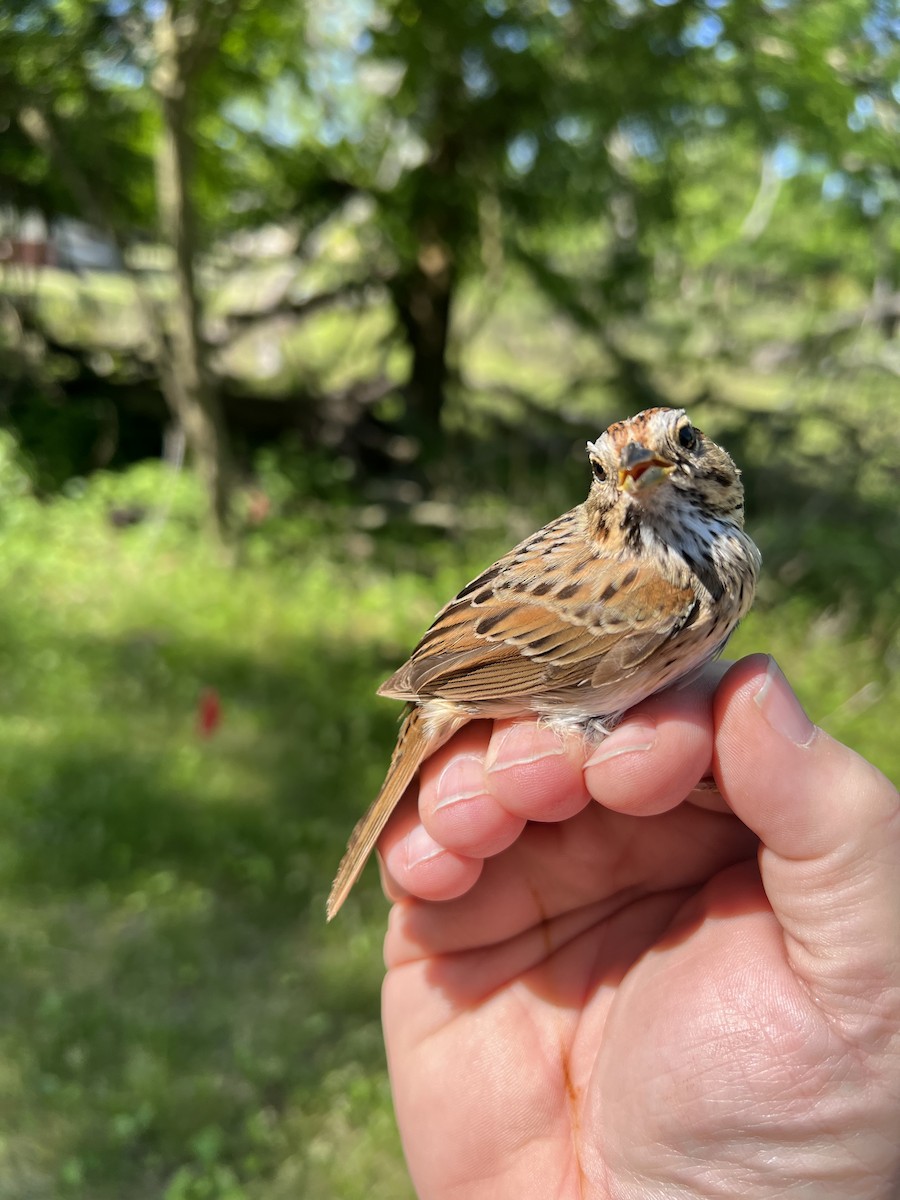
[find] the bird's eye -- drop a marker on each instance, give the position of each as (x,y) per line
(599,470)
(687,436)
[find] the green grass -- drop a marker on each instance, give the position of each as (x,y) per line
(179,1023)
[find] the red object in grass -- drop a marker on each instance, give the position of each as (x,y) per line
(209,713)
(259,506)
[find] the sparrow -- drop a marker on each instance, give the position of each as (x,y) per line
(624,595)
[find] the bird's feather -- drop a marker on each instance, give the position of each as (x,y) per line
(414,743)
(512,635)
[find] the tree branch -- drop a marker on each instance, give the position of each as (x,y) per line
(237,322)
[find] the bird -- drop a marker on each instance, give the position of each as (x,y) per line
(627,593)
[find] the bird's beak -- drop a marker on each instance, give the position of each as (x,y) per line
(640,469)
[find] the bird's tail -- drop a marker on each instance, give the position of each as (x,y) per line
(413,745)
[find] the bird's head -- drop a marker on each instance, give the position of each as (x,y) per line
(658,459)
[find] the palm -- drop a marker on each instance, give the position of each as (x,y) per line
(606,949)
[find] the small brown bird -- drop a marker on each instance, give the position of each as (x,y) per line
(632,590)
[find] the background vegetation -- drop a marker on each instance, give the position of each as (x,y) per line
(374,274)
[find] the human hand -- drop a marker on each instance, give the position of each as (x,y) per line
(642,997)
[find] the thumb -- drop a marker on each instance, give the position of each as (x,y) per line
(829,824)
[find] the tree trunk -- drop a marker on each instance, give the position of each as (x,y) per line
(423,298)
(185,378)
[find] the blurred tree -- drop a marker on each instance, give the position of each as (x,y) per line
(789,174)
(500,124)
(644,163)
(108,105)
(182,42)
(577,140)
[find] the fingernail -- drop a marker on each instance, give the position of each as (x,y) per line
(462,779)
(633,737)
(521,744)
(781,709)
(420,847)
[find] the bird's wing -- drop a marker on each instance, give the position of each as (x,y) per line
(553,613)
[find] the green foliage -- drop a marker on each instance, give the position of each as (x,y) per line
(87,67)
(178,1021)
(15,476)
(634,161)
